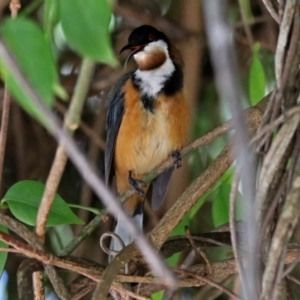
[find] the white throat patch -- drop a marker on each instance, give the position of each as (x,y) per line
(151,81)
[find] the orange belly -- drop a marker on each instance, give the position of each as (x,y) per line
(146,139)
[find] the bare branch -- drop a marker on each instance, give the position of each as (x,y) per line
(229,89)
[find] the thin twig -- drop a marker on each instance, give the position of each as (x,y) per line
(295,280)
(82,235)
(14,8)
(125,293)
(233,231)
(284,229)
(275,123)
(212,283)
(34,241)
(246,22)
(199,253)
(71,123)
(10,250)
(4,128)
(269,5)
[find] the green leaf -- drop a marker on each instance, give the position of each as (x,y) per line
(60,236)
(91,209)
(24,197)
(257,77)
(158,295)
(29,46)
(51,16)
(85,25)
(3,255)
(220,205)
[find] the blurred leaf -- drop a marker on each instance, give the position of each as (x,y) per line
(91,209)
(32,52)
(30,8)
(24,197)
(51,17)
(220,205)
(164,6)
(257,77)
(60,236)
(158,295)
(3,255)
(245,7)
(85,24)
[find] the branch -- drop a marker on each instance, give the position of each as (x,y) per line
(33,240)
(71,123)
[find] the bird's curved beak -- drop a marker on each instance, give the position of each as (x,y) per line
(127,47)
(133,48)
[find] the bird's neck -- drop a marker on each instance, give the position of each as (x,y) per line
(167,79)
(151,82)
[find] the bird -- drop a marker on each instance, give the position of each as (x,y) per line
(147,122)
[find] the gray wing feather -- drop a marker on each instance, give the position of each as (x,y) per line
(114,118)
(159,188)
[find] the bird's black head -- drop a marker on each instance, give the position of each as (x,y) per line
(142,36)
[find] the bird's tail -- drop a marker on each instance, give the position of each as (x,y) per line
(121,228)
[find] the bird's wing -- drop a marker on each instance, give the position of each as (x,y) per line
(159,188)
(114,117)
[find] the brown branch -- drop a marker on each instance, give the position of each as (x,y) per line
(272,162)
(173,29)
(284,229)
(24,278)
(212,283)
(233,231)
(71,123)
(199,253)
(14,8)
(4,128)
(91,134)
(33,240)
(82,235)
(94,272)
(272,10)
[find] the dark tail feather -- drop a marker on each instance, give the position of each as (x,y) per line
(159,188)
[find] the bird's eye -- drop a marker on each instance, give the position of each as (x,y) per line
(151,37)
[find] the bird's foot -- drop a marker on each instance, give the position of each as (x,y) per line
(177,159)
(136,184)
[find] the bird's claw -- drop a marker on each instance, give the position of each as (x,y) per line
(177,159)
(136,184)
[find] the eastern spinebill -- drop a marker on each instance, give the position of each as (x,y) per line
(147,121)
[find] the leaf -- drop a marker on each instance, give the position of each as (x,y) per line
(23,199)
(158,295)
(32,52)
(60,236)
(3,255)
(91,209)
(257,77)
(51,16)
(85,25)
